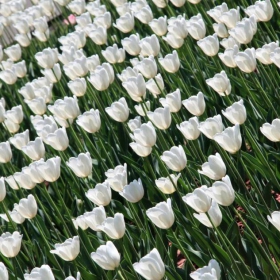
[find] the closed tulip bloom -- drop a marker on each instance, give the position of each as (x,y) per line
(175,158)
(142,111)
(32,172)
(155,85)
(275,219)
(263,54)
(83,20)
(140,150)
(131,44)
(161,118)
(231,17)
(15,114)
(133,192)
(123,9)
(196,27)
(246,61)
(211,126)
(99,35)
(222,192)
(160,3)
(100,195)
(236,113)
(103,20)
(76,68)
(20,69)
(262,10)
(35,149)
(5,152)
(178,26)
(8,76)
(151,266)
(24,180)
(195,104)
(228,56)
(220,83)
(80,222)
(37,105)
(134,123)
(10,244)
(149,46)
(3,272)
(107,256)
(215,215)
(82,165)
(147,67)
(50,169)
(125,23)
(173,101)
(230,139)
(15,216)
(180,3)
(275,57)
(145,135)
(13,52)
(198,200)
(58,139)
(135,87)
(43,272)
(272,131)
(95,218)
(11,126)
(162,214)
(23,39)
(41,24)
(190,128)
(209,45)
(27,207)
(211,271)
(118,110)
(217,11)
(92,62)
(110,71)
(159,26)
(173,41)
(68,250)
(47,58)
(114,227)
(90,121)
(144,15)
(167,185)
(77,6)
(117,177)
(114,54)
(54,74)
(170,62)
(99,78)
(21,25)
(127,73)
(12,183)
(78,86)
(221,30)
(2,189)
(229,43)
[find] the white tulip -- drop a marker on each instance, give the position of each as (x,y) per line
(275,57)
(10,244)
(103,20)
(196,27)
(133,192)
(99,35)
(144,15)
(167,185)
(147,67)
(34,149)
(159,26)
(2,189)
(190,128)
(114,54)
(37,105)
(3,272)
(95,218)
(5,152)
(236,113)
(43,272)
(58,139)
(131,44)
(231,17)
(13,52)
(211,126)
(135,87)
(172,100)
(246,61)
(49,170)
(90,121)
(275,219)
(271,131)
(20,69)
(217,11)
(209,45)
(173,41)
(100,195)
(178,27)
(32,172)
(140,150)
(15,114)
(263,54)
(47,58)
(117,177)
(220,83)
(78,86)
(134,123)
(228,56)
(229,43)
(161,118)
(170,62)
(27,207)
(24,180)
(262,10)
(195,104)
(12,183)
(143,108)
(149,46)
(8,76)
(125,23)
(83,20)
(175,158)
(118,110)
(155,85)
(221,30)
(211,271)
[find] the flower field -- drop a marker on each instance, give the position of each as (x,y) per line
(139,140)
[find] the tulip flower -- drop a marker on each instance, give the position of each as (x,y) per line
(100,195)
(196,27)
(80,221)
(54,74)
(10,244)
(195,104)
(47,58)
(2,113)
(77,7)
(161,118)
(134,123)
(172,100)
(15,216)
(159,26)
(95,218)
(37,105)
(210,271)
(13,52)
(142,109)
(145,135)
(215,168)
(228,56)
(78,86)
(24,180)
(125,23)
(118,110)
(162,214)
(217,11)
(103,20)
(151,266)
(221,30)
(275,57)
(178,27)
(12,183)
(211,126)
(2,189)
(107,256)
(214,213)
(170,62)
(15,114)
(220,83)
(144,15)
(11,126)
(123,9)
(49,170)
(230,139)
(149,46)
(3,272)
(20,69)
(262,10)
(147,67)
(133,192)
(209,45)
(160,3)
(92,63)
(135,87)
(43,272)
(231,17)
(128,73)
(32,172)
(68,250)
(27,207)
(167,185)
(5,152)
(100,79)
(198,200)
(21,25)
(246,61)
(114,227)
(263,54)
(58,139)
(275,219)
(175,158)
(114,54)
(222,192)
(140,150)
(173,41)
(155,85)
(180,3)
(271,131)
(89,121)
(23,39)
(117,177)
(190,128)
(131,44)
(82,165)
(41,24)
(236,113)
(229,43)
(35,149)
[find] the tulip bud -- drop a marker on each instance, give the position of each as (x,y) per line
(275,219)
(113,54)
(82,165)
(236,113)
(68,250)
(134,123)
(58,139)
(167,185)
(92,62)
(212,271)
(173,41)
(175,158)
(24,180)
(117,177)
(159,26)
(160,3)
(149,46)
(228,56)
(47,58)
(144,15)
(127,73)
(13,52)
(155,85)
(135,87)
(12,183)
(178,27)
(114,227)
(133,192)
(77,6)
(20,69)
(43,272)
(221,30)
(11,126)
(190,128)
(195,104)
(15,114)
(145,135)
(262,10)
(217,12)
(220,83)
(147,67)
(214,213)
(162,214)
(3,272)
(49,170)
(10,244)
(271,131)
(103,20)
(209,45)
(100,195)
(32,172)
(161,117)
(27,207)
(95,218)
(89,121)
(198,200)
(211,126)
(170,62)
(231,17)
(131,44)
(229,43)
(2,113)
(230,139)
(196,27)
(8,76)
(80,222)
(142,109)
(78,87)
(118,110)
(5,152)
(99,35)
(151,266)
(125,23)
(140,150)
(100,78)
(246,61)
(37,105)
(107,256)
(173,101)
(76,68)
(263,54)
